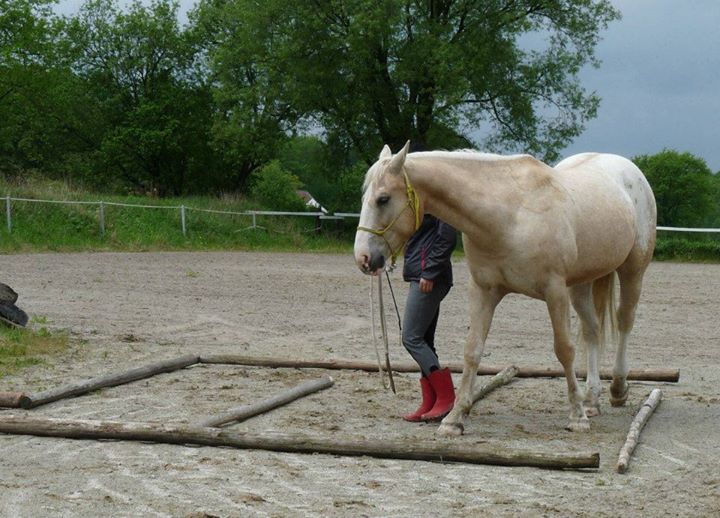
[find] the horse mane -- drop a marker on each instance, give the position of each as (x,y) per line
(466,154)
(373,173)
(461,154)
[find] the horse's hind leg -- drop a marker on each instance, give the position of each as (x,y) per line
(558,303)
(483,302)
(582,301)
(630,288)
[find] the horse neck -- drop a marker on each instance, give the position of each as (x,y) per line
(474,196)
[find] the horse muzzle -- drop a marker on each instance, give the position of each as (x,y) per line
(377,263)
(370,263)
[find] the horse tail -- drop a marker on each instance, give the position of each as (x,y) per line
(603,292)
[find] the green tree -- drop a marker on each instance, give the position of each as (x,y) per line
(438,72)
(683,188)
(276,188)
(309,159)
(140,69)
(26,35)
(715,221)
(251,118)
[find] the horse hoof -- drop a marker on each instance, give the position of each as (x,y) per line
(451,429)
(592,411)
(621,399)
(578,425)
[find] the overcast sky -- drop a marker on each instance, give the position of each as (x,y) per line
(659,80)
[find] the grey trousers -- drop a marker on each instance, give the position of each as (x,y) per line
(421,316)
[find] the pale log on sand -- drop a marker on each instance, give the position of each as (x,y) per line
(423,450)
(501,378)
(636,427)
(667,375)
(11,399)
(110,380)
(241,413)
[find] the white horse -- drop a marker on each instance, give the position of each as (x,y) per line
(557,234)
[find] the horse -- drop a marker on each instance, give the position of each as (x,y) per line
(559,234)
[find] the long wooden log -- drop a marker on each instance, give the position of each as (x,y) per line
(638,423)
(243,412)
(109,380)
(501,378)
(11,399)
(380,447)
(668,375)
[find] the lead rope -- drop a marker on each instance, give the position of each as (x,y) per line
(374,335)
(397,312)
(383,327)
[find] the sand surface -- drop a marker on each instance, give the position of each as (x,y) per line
(124,310)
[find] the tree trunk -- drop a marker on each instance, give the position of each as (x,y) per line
(244,412)
(531,371)
(380,447)
(110,380)
(636,427)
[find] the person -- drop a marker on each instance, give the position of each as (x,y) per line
(428,269)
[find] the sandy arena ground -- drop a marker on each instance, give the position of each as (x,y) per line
(128,309)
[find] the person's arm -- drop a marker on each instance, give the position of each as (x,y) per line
(437,255)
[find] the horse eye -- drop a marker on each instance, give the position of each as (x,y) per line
(383,200)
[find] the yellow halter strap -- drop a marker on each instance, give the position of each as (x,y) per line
(413,202)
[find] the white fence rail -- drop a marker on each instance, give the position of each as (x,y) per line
(249,213)
(686,229)
(183,209)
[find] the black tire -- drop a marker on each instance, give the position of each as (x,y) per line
(7,294)
(14,314)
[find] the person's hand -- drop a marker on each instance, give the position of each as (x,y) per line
(426,285)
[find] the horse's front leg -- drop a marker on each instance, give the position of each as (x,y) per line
(483,302)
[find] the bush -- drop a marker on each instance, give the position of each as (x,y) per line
(684,249)
(683,186)
(350,188)
(275,188)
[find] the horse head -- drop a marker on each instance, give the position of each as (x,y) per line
(390,212)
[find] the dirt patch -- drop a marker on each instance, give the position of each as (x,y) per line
(128,309)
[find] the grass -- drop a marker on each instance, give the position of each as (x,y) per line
(22,347)
(42,227)
(696,249)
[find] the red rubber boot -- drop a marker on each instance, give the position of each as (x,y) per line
(428,400)
(442,384)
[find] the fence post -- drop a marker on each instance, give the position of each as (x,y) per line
(8,214)
(182,219)
(102,218)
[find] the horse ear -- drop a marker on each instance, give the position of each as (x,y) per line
(398,160)
(385,153)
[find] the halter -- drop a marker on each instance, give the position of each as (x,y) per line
(413,203)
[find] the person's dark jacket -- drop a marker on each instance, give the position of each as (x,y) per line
(427,253)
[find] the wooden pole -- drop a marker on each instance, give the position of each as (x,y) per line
(633,436)
(8,213)
(668,375)
(380,447)
(182,220)
(241,413)
(102,218)
(11,399)
(501,378)
(110,380)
